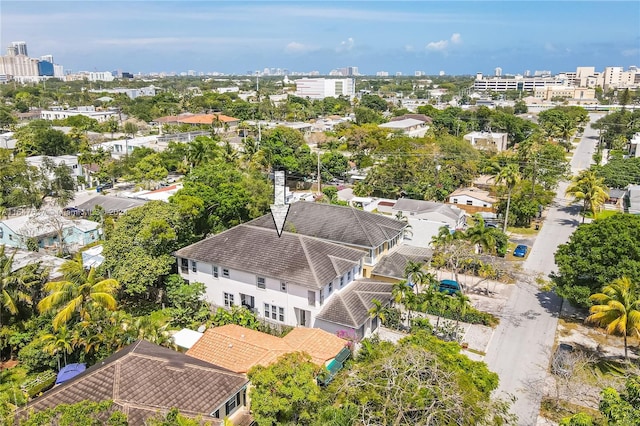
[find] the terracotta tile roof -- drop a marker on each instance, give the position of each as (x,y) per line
(319,344)
(338,224)
(294,258)
(206,119)
(144,379)
(238,349)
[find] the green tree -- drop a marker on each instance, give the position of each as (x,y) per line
(80,292)
(138,252)
(86,413)
(284,392)
(481,235)
(596,254)
(17,286)
(421,380)
(617,309)
(588,188)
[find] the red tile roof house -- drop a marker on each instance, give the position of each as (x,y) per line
(145,380)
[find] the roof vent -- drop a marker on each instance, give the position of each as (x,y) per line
(230,345)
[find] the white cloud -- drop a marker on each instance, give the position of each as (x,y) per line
(295,47)
(630,52)
(409,48)
(346,45)
(438,46)
(442,45)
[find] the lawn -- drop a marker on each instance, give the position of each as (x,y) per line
(531,230)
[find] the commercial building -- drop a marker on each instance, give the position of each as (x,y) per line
(320,88)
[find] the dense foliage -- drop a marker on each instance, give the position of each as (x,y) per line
(596,254)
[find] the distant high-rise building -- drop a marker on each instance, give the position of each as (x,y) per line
(382,74)
(527,73)
(441,73)
(498,72)
(398,73)
(418,73)
(20,47)
(47,58)
(320,88)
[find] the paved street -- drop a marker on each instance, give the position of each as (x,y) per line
(521,346)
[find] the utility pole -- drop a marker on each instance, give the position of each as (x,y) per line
(319,184)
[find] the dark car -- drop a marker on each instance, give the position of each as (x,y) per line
(450,287)
(520,251)
(104,186)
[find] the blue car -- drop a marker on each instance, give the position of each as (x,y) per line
(450,287)
(520,251)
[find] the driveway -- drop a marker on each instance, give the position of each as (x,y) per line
(521,346)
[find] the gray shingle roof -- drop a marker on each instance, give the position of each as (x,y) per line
(350,307)
(297,259)
(143,379)
(394,263)
(420,206)
(344,225)
(109,203)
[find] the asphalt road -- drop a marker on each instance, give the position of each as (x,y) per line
(521,346)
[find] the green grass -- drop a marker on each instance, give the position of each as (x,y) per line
(523,231)
(606,213)
(557,410)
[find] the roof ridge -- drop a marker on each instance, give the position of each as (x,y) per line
(309,262)
(362,227)
(346,306)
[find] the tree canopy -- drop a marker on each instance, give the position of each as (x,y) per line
(596,254)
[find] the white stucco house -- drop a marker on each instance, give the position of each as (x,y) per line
(491,141)
(313,275)
(472,199)
(409,126)
(427,217)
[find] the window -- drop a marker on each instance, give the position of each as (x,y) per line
(455,201)
(216,414)
(321,297)
(341,281)
(225,273)
(184,266)
(349,276)
(194,266)
(247,301)
(232,404)
(1,233)
(469,202)
(228,300)
(283,286)
(214,271)
(330,287)
(274,312)
(261,283)
(311,298)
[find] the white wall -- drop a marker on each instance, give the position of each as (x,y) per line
(246,283)
(462,200)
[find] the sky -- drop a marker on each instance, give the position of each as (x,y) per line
(457,37)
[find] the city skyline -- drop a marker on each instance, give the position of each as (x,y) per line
(457,37)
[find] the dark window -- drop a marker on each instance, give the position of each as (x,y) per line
(184,266)
(214,271)
(261,283)
(225,273)
(194,266)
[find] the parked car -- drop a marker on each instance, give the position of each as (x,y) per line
(104,186)
(520,251)
(449,286)
(563,360)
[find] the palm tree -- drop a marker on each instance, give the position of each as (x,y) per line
(402,293)
(589,188)
(377,310)
(618,309)
(16,286)
(480,235)
(414,274)
(510,176)
(461,305)
(62,341)
(79,292)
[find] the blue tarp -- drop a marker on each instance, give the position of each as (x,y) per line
(70,371)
